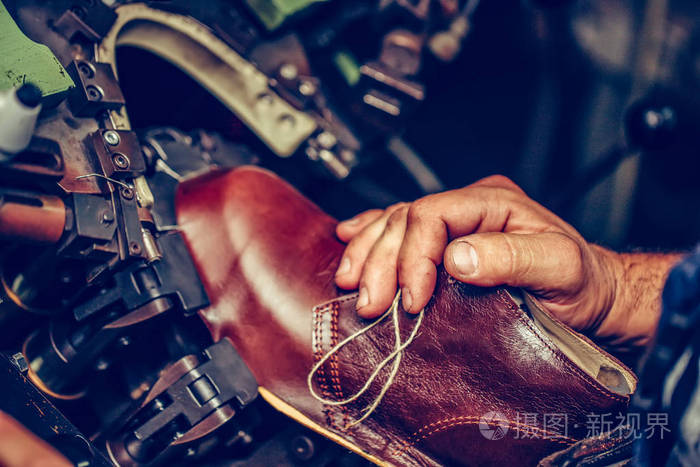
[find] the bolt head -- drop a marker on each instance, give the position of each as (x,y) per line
(111,137)
(312,153)
(286,122)
(120,161)
(265,100)
(101,364)
(289,71)
(86,70)
(20,362)
(303,448)
(93,93)
(327,140)
(307,88)
(107,216)
(127,193)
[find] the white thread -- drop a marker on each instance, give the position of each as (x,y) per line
(394,355)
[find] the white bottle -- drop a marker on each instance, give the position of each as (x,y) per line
(19,108)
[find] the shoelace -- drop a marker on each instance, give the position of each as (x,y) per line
(395,355)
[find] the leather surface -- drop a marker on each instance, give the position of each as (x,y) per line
(615,447)
(267,257)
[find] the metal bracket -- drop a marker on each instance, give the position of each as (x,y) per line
(193,397)
(236,82)
(96,90)
(92,19)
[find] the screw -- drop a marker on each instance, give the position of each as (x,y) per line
(312,153)
(158,405)
(111,137)
(86,70)
(652,118)
(286,122)
(20,362)
(101,364)
(135,248)
(303,448)
(289,71)
(93,93)
(307,88)
(127,193)
(107,216)
(326,139)
(120,161)
(265,99)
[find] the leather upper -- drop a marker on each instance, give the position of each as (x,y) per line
(481,384)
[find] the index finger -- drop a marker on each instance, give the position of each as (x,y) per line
(346,230)
(433,220)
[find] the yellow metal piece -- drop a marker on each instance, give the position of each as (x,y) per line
(143,192)
(194,49)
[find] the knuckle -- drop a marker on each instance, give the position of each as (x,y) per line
(370,213)
(522,260)
(381,259)
(420,210)
(500,184)
(500,181)
(512,259)
(572,255)
(397,218)
(503,193)
(395,207)
(377,256)
(354,248)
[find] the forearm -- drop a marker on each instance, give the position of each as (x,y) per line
(639,281)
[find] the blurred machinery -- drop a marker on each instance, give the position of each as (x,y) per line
(105,106)
(92,265)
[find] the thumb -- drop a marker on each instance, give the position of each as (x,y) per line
(540,262)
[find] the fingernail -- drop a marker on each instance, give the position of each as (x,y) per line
(344,267)
(406,299)
(465,258)
(363,299)
(351,221)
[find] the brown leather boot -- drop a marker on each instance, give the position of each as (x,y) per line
(489,379)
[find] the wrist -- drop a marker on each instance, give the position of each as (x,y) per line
(637,284)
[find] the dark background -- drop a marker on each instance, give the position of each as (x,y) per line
(539,93)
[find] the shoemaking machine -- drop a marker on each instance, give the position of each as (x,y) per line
(104,355)
(107,106)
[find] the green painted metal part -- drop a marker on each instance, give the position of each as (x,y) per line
(23,60)
(348,67)
(272,13)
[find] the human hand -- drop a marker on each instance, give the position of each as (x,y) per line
(491,233)
(21,448)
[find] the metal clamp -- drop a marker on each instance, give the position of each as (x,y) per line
(193,398)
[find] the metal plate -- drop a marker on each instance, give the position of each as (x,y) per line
(233,80)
